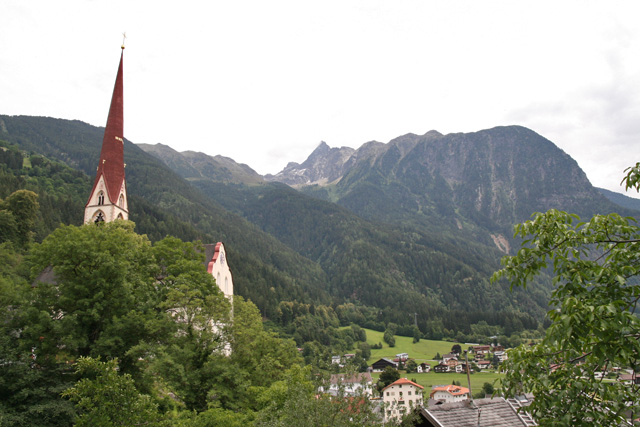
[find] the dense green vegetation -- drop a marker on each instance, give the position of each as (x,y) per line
(595,328)
(285,246)
(98,326)
(161,203)
(98,322)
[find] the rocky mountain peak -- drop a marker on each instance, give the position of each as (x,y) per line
(324,165)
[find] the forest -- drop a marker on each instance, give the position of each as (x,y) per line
(100,326)
(106,323)
(287,246)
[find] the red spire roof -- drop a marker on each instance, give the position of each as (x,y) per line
(111,164)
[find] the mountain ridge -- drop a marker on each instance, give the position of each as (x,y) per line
(405,228)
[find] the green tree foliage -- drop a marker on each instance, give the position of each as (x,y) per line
(412,366)
(488,388)
(103,284)
(27,392)
(18,213)
(103,397)
(109,293)
(594,326)
(387,376)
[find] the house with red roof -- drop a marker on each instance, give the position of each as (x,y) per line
(449,393)
(400,398)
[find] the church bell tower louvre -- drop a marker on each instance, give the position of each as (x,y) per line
(108,199)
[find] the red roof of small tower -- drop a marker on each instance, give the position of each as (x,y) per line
(111,164)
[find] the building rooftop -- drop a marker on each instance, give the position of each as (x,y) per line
(477,413)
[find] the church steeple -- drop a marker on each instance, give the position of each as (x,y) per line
(108,199)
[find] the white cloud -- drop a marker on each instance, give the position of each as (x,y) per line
(265,82)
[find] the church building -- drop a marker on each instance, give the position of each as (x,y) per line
(216,260)
(108,198)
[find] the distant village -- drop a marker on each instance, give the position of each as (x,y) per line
(445,405)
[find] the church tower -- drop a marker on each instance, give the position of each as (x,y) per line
(108,199)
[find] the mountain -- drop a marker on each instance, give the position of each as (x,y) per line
(422,220)
(192,165)
(323,166)
(380,265)
(265,270)
(413,226)
(620,199)
(486,180)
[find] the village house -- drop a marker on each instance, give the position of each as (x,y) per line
(501,355)
(630,379)
(480,351)
(423,367)
(451,363)
(449,393)
(441,368)
(401,397)
(380,364)
(477,413)
(483,364)
(360,384)
(449,356)
(401,357)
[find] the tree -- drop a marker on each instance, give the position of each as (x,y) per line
(416,335)
(412,366)
(18,214)
(104,283)
(488,388)
(387,376)
(294,401)
(456,348)
(594,326)
(389,339)
(105,398)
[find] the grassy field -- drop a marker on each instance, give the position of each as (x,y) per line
(423,351)
(431,379)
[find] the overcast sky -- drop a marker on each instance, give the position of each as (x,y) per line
(263,82)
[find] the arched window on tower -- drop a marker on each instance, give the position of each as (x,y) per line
(120,216)
(121,201)
(101,198)
(98,217)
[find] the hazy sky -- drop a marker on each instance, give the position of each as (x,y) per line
(263,82)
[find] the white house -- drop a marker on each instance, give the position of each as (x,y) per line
(360,384)
(423,367)
(449,393)
(402,357)
(501,355)
(449,356)
(400,397)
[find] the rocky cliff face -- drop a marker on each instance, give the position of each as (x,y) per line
(492,178)
(323,166)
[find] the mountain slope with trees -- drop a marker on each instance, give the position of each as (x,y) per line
(442,278)
(405,237)
(161,203)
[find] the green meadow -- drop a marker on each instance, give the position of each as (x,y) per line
(424,351)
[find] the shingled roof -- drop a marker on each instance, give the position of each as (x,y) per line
(478,413)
